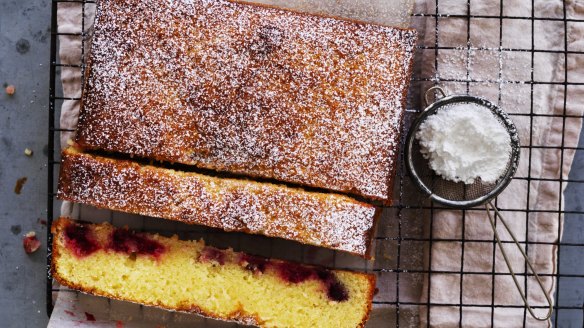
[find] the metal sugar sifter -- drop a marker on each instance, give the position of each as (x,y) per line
(460,195)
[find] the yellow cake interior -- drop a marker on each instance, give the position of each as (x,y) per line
(179,278)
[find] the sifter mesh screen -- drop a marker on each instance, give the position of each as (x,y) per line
(459,194)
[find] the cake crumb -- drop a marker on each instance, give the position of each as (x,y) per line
(30,242)
(28,152)
(10,90)
(19,184)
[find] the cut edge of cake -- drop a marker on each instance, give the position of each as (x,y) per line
(326,220)
(208,255)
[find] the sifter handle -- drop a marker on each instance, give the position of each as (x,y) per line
(490,206)
(436,89)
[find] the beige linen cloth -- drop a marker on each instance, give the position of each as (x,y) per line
(503,73)
(487,64)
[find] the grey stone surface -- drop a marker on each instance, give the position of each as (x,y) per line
(571,290)
(24,63)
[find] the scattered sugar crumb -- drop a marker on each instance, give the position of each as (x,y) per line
(30,242)
(10,90)
(19,184)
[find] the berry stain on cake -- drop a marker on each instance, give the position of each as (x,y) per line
(81,240)
(292,273)
(296,273)
(213,255)
(254,264)
(126,241)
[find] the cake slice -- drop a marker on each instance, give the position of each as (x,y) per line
(321,219)
(249,89)
(192,277)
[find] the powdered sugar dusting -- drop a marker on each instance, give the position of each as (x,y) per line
(247,89)
(328,220)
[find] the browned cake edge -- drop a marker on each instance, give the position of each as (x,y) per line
(69,155)
(58,226)
(383,201)
(391,178)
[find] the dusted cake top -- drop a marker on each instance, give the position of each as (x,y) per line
(248,89)
(322,219)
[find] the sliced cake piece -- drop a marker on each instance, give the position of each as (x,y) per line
(249,89)
(189,276)
(321,219)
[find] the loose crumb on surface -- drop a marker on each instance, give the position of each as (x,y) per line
(30,242)
(19,184)
(10,90)
(28,152)
(16,229)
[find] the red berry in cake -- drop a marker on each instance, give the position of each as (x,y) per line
(254,264)
(336,291)
(213,255)
(123,240)
(80,239)
(30,242)
(294,273)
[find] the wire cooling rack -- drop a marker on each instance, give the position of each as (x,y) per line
(397,231)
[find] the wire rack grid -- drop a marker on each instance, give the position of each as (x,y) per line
(396,230)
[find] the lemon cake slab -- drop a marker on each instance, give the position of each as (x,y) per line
(190,276)
(249,89)
(322,219)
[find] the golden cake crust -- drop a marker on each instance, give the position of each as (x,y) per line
(239,315)
(321,219)
(249,89)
